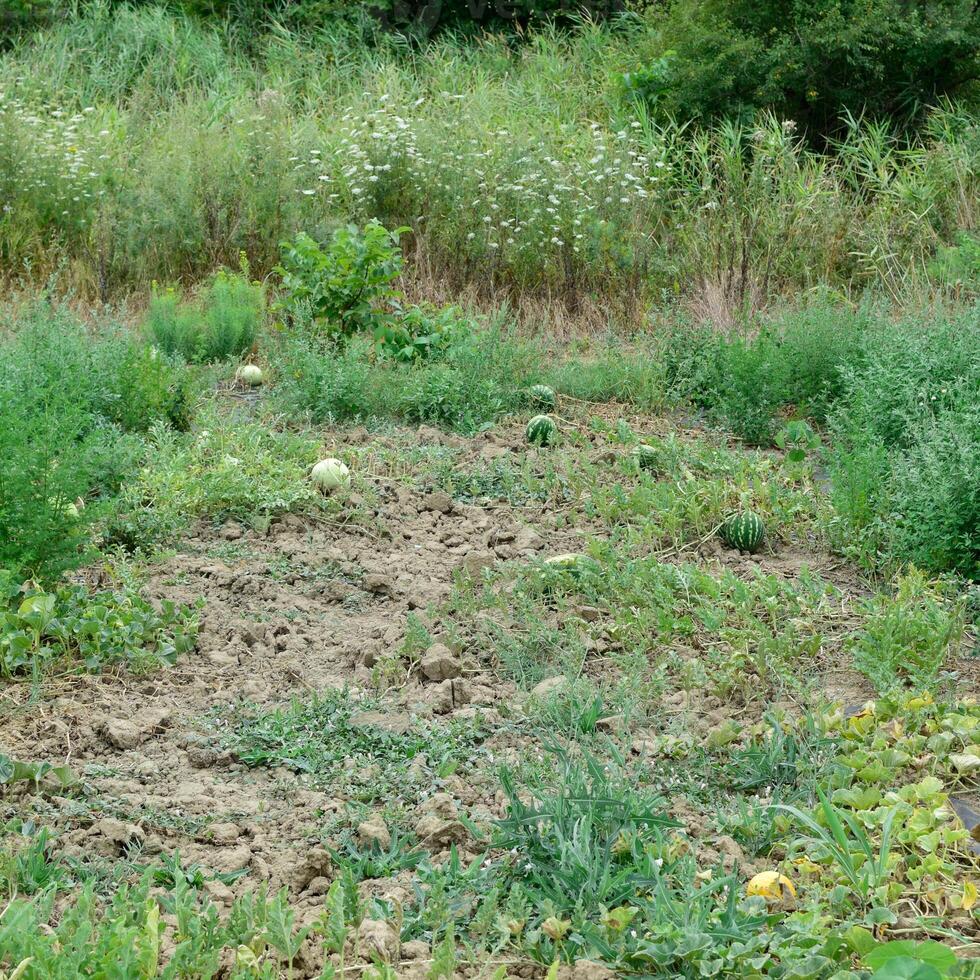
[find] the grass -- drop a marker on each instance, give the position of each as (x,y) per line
(225,468)
(222,324)
(319,737)
(585,201)
(477,381)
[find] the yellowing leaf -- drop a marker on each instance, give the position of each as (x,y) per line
(920,701)
(556,928)
(771,885)
(969,898)
(965,762)
(806,866)
(245,959)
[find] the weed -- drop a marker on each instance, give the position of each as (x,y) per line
(907,638)
(320,737)
(223,322)
(93,629)
(225,468)
(70,407)
(838,835)
(344,289)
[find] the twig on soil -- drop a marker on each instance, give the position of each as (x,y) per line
(689,546)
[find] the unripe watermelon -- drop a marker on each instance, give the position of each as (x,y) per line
(574,563)
(563,567)
(648,457)
(743,531)
(541,430)
(542,395)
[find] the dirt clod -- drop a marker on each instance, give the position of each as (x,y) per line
(128,733)
(440,664)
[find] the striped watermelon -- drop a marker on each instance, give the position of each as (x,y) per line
(743,531)
(574,564)
(561,571)
(541,430)
(542,395)
(648,457)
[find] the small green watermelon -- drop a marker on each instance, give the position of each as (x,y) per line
(542,396)
(648,457)
(541,430)
(562,570)
(743,531)
(574,564)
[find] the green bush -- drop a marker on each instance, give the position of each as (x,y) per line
(345,288)
(812,61)
(71,406)
(905,457)
(421,332)
(793,364)
(221,324)
(21,15)
(473,383)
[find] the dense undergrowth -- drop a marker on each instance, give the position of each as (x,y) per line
(131,139)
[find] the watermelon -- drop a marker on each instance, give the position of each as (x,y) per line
(743,531)
(542,395)
(648,457)
(574,564)
(561,568)
(541,430)
(330,474)
(250,374)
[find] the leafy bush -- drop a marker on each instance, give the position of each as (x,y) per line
(905,457)
(346,288)
(19,15)
(794,363)
(814,61)
(421,332)
(221,324)
(474,382)
(71,625)
(70,405)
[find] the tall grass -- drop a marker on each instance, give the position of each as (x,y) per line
(138,145)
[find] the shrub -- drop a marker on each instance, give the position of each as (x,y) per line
(345,288)
(792,364)
(812,62)
(71,404)
(475,381)
(905,460)
(421,332)
(221,324)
